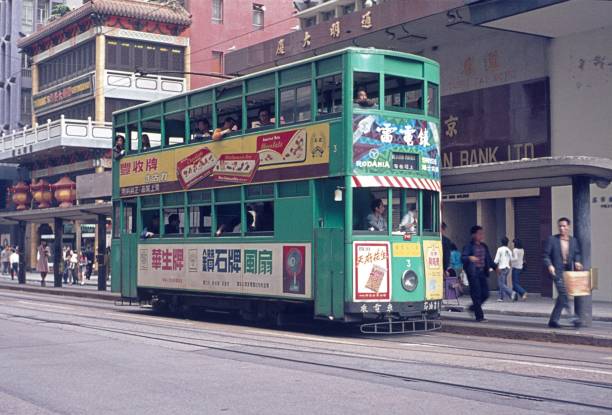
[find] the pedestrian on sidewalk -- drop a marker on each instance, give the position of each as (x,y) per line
(74,267)
(14,260)
(518,263)
(562,253)
(66,256)
(477,263)
(446,250)
(503,259)
(82,268)
(42,261)
(4,258)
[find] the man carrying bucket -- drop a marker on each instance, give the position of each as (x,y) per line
(562,253)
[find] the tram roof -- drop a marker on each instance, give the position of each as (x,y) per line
(352,49)
(526,173)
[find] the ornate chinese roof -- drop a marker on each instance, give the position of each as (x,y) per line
(168,12)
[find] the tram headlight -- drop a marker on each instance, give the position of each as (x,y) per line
(410,281)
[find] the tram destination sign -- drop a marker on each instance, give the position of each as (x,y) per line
(290,154)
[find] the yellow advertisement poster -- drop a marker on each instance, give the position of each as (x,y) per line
(270,156)
(432,257)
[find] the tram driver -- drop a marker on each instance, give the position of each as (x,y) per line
(376,220)
(409,222)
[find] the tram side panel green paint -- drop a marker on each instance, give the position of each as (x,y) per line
(337,148)
(116,270)
(401,264)
(329,273)
(129,250)
(294,219)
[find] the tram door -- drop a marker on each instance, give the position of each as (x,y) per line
(128,248)
(329,271)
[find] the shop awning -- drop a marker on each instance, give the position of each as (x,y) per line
(84,213)
(527,173)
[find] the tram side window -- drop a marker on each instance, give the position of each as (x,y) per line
(229,117)
(432,100)
(370,209)
(151,134)
(329,96)
(405,214)
(403,94)
(260,110)
(173,222)
(228,219)
(129,216)
(150,223)
(431,211)
(174,128)
(295,104)
(116,220)
(260,218)
(200,220)
(200,123)
(366,90)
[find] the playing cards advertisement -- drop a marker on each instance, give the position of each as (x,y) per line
(372,268)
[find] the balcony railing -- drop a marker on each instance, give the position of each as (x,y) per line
(26,72)
(119,84)
(62,132)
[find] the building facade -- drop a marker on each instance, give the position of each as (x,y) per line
(100,57)
(221,26)
(519,80)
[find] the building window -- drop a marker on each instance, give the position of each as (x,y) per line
(325,16)
(217,11)
(27,16)
(217,62)
(350,8)
(258,15)
(309,21)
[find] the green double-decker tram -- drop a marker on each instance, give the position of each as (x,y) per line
(311,187)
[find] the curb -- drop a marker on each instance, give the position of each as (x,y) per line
(504,332)
(532,314)
(98,295)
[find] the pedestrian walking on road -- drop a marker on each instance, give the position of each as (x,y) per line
(477,263)
(562,253)
(503,259)
(42,261)
(14,260)
(518,263)
(4,258)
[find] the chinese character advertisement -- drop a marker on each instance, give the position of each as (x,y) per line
(372,270)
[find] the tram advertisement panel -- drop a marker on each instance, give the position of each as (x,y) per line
(372,268)
(432,257)
(270,156)
(390,146)
(282,270)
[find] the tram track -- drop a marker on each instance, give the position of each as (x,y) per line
(204,344)
(258,337)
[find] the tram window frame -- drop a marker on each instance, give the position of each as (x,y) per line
(146,217)
(149,128)
(370,82)
(178,116)
(430,212)
(325,85)
(397,97)
(228,219)
(116,220)
(264,100)
(132,140)
(433,107)
(196,115)
(129,226)
(203,227)
(365,197)
(233,112)
(259,203)
(401,198)
(292,99)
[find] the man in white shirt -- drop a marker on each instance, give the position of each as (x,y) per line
(14,260)
(503,258)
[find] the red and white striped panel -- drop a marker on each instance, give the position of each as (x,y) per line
(395,181)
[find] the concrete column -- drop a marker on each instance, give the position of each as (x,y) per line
(58,230)
(100,110)
(510,226)
(187,64)
(77,236)
(581,187)
(102,268)
(34,88)
(21,275)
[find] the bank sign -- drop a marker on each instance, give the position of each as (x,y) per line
(501,123)
(279,270)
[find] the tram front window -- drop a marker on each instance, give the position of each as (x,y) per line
(405,212)
(370,210)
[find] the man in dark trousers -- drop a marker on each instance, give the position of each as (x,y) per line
(562,253)
(477,263)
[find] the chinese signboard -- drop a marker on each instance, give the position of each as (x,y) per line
(433,270)
(395,147)
(270,269)
(77,89)
(372,267)
(285,155)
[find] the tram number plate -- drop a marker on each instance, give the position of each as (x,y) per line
(432,305)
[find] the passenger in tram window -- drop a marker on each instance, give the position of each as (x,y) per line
(263,117)
(232,225)
(361,99)
(229,126)
(202,130)
(409,222)
(146,143)
(119,149)
(173,225)
(376,220)
(151,229)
